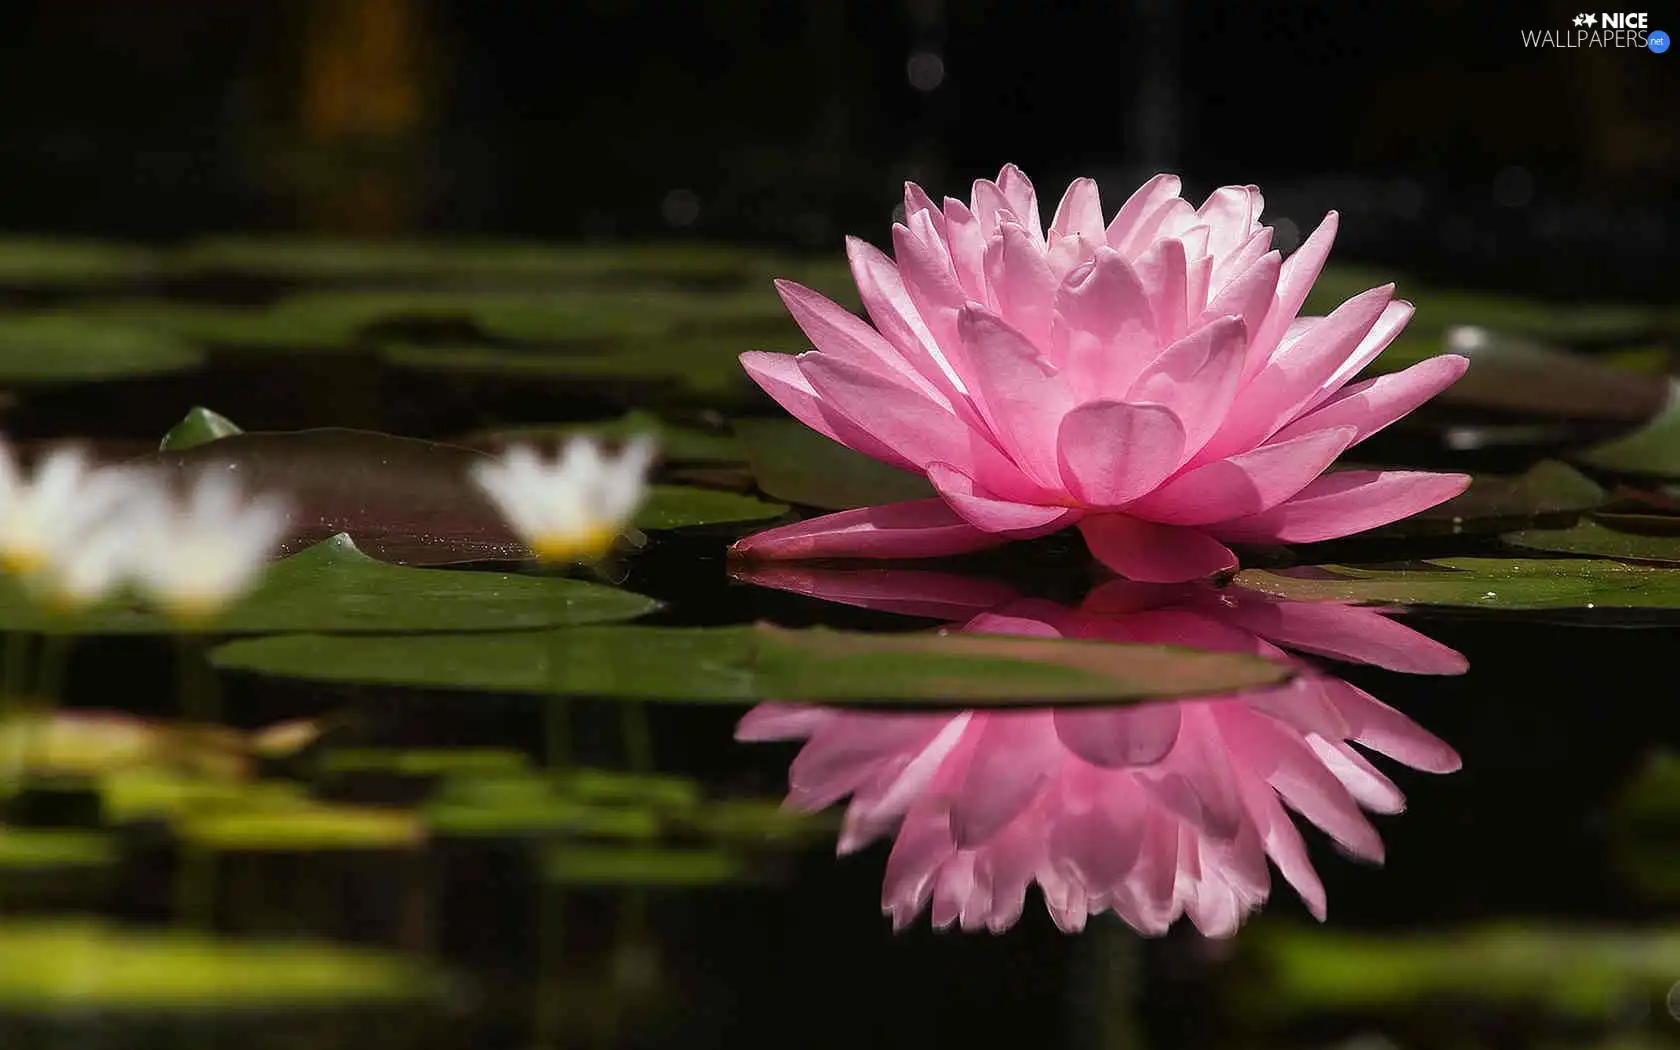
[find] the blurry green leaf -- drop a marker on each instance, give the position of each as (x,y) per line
(1645,826)
(49,966)
(1516,373)
(619,787)
(427,762)
(1486,583)
(574,865)
(1592,537)
(795,463)
(677,506)
(494,807)
(332,586)
(201,426)
(1652,449)
(297,826)
(1579,972)
(29,262)
(67,347)
(743,664)
(53,849)
(700,364)
(1493,503)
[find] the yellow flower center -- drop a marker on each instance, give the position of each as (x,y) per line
(577,545)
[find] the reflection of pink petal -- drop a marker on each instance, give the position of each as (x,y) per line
(1155,812)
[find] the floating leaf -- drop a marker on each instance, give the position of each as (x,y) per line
(744,664)
(1643,826)
(1513,373)
(573,865)
(332,586)
(1493,503)
(1592,537)
(495,807)
(30,262)
(53,849)
(1581,972)
(1484,583)
(795,463)
(1652,449)
(410,501)
(48,966)
(299,826)
(700,364)
(200,427)
(67,347)
(427,762)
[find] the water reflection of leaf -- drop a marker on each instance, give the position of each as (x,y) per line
(1482,583)
(737,664)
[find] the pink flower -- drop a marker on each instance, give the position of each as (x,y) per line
(1147,380)
(1151,811)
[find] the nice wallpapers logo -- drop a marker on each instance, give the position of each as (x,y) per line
(1602,29)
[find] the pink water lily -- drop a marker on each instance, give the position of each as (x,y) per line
(1152,811)
(1145,377)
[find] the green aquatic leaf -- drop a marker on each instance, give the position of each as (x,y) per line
(531,805)
(200,427)
(1644,823)
(1595,538)
(1495,503)
(681,506)
(54,849)
(426,762)
(1652,449)
(1578,972)
(50,966)
(746,664)
(576,865)
(1482,583)
(67,347)
(334,587)
(287,824)
(40,262)
(792,462)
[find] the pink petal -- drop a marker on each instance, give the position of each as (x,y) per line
(1148,199)
(893,313)
(1363,781)
(1023,199)
(779,376)
(917,202)
(1171,218)
(1197,377)
(1151,553)
(986,511)
(968,250)
(1295,374)
(1375,403)
(1353,633)
(1021,394)
(909,592)
(1394,318)
(1249,294)
(1243,485)
(1104,330)
(1301,779)
(782,722)
(918,431)
(1238,263)
(1283,842)
(1117,738)
(925,528)
(1229,212)
(1111,452)
(1161,271)
(1344,503)
(1386,731)
(839,333)
(1022,283)
(1015,753)
(1080,213)
(1295,280)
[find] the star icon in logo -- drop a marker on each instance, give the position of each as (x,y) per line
(1580,19)
(1592,20)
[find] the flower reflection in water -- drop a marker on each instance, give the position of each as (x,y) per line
(1151,811)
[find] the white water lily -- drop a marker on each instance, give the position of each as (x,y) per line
(54,507)
(574,507)
(196,555)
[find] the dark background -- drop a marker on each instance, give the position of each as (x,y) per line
(1448,146)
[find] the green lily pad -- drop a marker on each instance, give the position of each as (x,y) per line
(53,849)
(1643,825)
(1594,538)
(574,865)
(1482,583)
(1493,503)
(410,501)
(47,966)
(1579,972)
(792,462)
(1652,449)
(427,762)
(298,825)
(332,586)
(320,259)
(524,806)
(200,427)
(30,262)
(1517,373)
(68,348)
(745,664)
